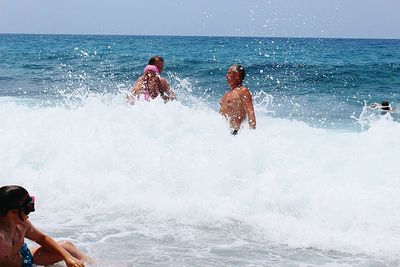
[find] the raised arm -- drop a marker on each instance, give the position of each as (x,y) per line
(247,101)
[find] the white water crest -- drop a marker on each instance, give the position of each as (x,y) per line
(141,184)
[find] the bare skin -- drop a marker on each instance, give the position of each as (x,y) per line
(237,103)
(154,83)
(150,82)
(165,90)
(15,227)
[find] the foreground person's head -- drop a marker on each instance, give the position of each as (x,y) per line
(15,200)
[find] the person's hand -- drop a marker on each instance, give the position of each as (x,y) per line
(72,262)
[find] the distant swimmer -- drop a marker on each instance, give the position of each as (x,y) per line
(151,85)
(237,102)
(384,107)
(15,206)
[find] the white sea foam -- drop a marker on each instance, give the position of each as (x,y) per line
(103,167)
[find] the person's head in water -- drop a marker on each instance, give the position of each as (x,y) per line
(158,62)
(235,75)
(14,197)
(385,105)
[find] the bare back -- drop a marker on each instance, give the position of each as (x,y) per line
(11,241)
(148,83)
(151,85)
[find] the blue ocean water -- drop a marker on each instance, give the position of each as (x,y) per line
(154,184)
(320,81)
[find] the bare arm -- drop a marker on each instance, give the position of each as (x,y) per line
(168,94)
(248,106)
(50,244)
(375,105)
(135,91)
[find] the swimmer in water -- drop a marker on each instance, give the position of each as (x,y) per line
(237,102)
(384,107)
(151,84)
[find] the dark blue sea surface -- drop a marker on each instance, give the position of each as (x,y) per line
(323,82)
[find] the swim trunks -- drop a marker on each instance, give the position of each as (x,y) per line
(27,259)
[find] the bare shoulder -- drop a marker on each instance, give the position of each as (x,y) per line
(164,82)
(137,86)
(32,232)
(244,92)
(139,81)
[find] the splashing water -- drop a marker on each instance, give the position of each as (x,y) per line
(167,185)
(169,180)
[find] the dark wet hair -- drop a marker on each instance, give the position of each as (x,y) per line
(385,105)
(240,69)
(11,196)
(155,59)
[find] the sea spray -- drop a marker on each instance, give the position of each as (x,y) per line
(173,164)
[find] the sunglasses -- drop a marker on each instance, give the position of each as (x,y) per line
(28,205)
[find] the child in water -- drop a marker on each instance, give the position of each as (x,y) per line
(15,206)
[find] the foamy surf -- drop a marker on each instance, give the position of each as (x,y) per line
(143,184)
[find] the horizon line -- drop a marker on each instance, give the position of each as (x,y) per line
(210,36)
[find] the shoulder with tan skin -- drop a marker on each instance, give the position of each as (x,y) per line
(137,86)
(136,89)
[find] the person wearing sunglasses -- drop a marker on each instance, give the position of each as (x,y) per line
(15,206)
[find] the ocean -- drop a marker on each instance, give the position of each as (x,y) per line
(154,184)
